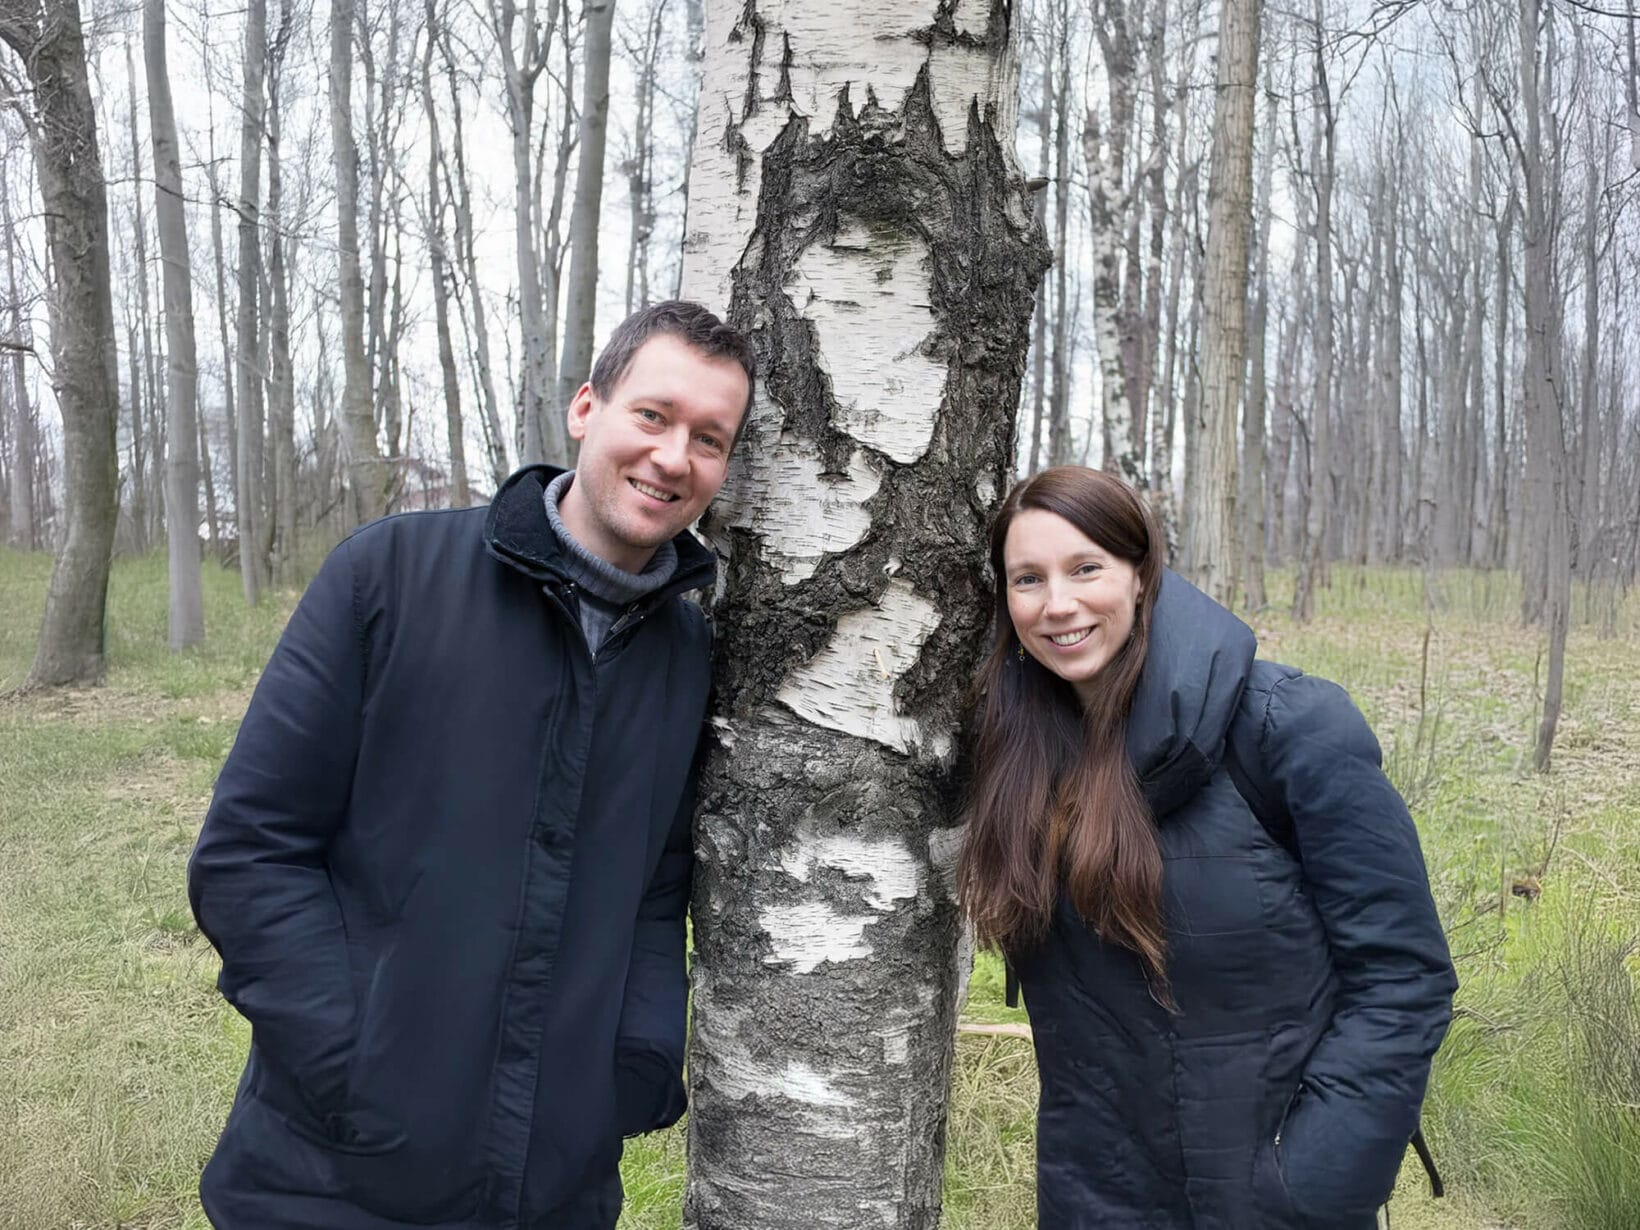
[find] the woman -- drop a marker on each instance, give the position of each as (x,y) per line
(1230,1035)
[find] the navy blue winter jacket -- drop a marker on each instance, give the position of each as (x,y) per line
(1311,994)
(447,865)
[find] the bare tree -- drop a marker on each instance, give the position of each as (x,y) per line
(253,565)
(1211,546)
(186,609)
(1313,556)
(543,432)
(860,212)
(24,528)
(438,258)
(68,162)
(461,198)
(366,473)
(582,305)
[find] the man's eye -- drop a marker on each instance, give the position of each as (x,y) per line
(648,415)
(713,443)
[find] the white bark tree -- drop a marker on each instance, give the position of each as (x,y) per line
(186,613)
(858,209)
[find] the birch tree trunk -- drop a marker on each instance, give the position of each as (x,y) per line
(365,469)
(859,211)
(75,215)
(186,612)
(1211,513)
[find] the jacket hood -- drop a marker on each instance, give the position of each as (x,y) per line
(516,533)
(1196,664)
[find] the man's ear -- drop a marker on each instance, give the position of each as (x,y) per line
(580,406)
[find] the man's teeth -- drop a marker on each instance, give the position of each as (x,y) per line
(656,492)
(1070,638)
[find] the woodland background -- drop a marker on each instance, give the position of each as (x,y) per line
(403,227)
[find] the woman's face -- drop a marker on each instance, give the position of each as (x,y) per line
(1071,601)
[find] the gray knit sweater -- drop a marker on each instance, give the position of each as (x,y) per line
(605,590)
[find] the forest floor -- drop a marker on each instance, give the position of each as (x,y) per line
(118,1059)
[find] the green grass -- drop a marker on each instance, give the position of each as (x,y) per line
(118,1058)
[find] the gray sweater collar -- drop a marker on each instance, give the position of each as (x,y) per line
(597,576)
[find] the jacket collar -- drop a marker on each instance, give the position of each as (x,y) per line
(516,533)
(1196,664)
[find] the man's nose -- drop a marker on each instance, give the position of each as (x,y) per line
(671,452)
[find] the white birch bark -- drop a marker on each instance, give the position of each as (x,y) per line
(854,204)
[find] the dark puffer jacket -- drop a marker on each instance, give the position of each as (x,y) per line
(447,865)
(1310,1000)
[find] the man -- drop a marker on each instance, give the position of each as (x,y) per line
(448,859)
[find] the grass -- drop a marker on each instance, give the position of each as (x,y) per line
(118,1058)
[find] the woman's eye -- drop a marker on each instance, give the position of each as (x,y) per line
(1088,569)
(1025,578)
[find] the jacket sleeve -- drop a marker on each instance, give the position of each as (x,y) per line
(258,880)
(1363,1085)
(649,1044)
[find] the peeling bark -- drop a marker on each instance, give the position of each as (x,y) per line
(855,205)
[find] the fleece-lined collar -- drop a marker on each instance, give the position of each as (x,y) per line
(516,533)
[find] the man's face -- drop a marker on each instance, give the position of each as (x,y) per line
(654,453)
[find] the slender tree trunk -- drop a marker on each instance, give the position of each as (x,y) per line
(582,307)
(1211,511)
(438,257)
(365,470)
(1546,438)
(478,326)
(1059,410)
(186,615)
(896,328)
(252,565)
(280,530)
(145,454)
(25,524)
(75,214)
(1313,562)
(1039,314)
(1254,461)
(543,434)
(219,261)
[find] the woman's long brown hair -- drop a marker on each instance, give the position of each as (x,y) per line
(1052,802)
